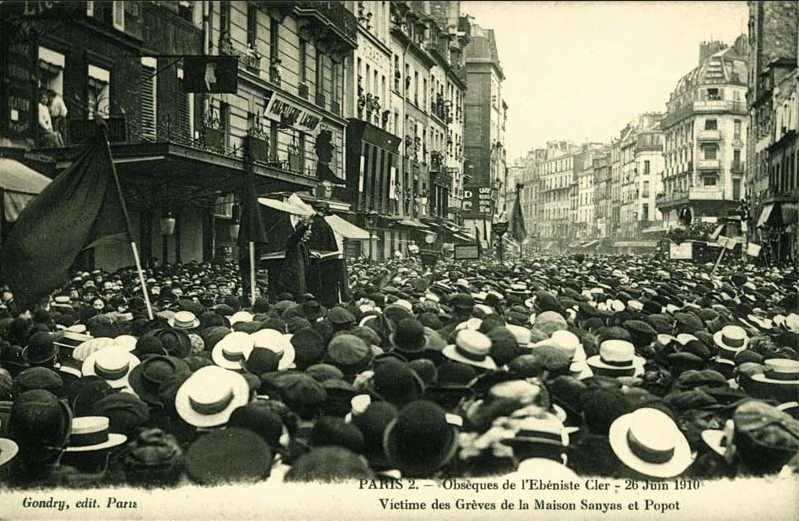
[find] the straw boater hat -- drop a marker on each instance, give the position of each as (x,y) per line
(616,358)
(91,433)
(472,348)
(278,343)
(113,364)
(184,320)
(649,442)
(210,395)
(8,450)
(232,349)
(241,316)
(731,340)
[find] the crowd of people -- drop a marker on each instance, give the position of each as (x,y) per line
(615,366)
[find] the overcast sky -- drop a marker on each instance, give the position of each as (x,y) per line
(581,70)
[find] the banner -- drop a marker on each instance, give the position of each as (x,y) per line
(753,249)
(81,208)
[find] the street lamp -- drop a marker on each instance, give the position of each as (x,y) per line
(370,224)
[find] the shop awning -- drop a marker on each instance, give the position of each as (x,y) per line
(635,244)
(765,213)
(590,243)
(282,206)
(19,184)
(346,229)
(412,224)
(463,237)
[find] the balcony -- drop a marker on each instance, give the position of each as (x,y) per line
(249,59)
(709,135)
(693,194)
(703,107)
(738,167)
(708,164)
(332,16)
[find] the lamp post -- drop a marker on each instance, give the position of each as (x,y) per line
(370,223)
(167,229)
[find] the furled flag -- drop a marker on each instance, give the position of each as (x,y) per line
(80,209)
(252,225)
(517,222)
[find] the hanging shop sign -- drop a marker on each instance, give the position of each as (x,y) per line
(292,114)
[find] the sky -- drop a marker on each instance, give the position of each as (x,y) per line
(581,71)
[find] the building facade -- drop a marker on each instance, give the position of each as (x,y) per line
(641,170)
(484,120)
(705,136)
(771,170)
(181,156)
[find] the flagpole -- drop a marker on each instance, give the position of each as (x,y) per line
(252,273)
(133,247)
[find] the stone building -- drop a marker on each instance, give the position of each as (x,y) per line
(485,115)
(705,136)
(772,176)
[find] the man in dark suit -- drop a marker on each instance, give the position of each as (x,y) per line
(328,276)
(297,262)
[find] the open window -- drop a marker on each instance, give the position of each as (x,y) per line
(99,92)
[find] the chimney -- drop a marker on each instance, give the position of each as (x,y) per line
(708,48)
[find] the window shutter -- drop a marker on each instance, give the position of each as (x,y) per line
(183,124)
(148,121)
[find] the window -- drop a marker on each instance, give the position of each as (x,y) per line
(736,189)
(273,139)
(711,124)
(118,15)
(646,189)
(713,94)
(252,25)
(397,77)
(303,52)
(148,98)
(736,159)
(416,87)
(320,75)
(274,37)
(301,145)
(99,91)
(89,8)
(646,168)
(710,151)
(224,118)
(224,17)
(185,111)
(709,181)
(737,131)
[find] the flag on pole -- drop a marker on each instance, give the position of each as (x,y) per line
(517,230)
(80,209)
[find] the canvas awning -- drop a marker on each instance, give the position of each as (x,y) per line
(346,229)
(590,243)
(765,213)
(19,184)
(463,237)
(285,207)
(412,224)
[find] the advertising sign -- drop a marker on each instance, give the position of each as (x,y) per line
(477,202)
(283,110)
(467,252)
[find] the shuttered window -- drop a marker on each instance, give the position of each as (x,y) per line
(148,98)
(183,116)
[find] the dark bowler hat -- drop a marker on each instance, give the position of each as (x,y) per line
(40,349)
(176,342)
(421,440)
(147,377)
(409,336)
(230,455)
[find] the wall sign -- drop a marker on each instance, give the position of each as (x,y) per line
(467,252)
(282,110)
